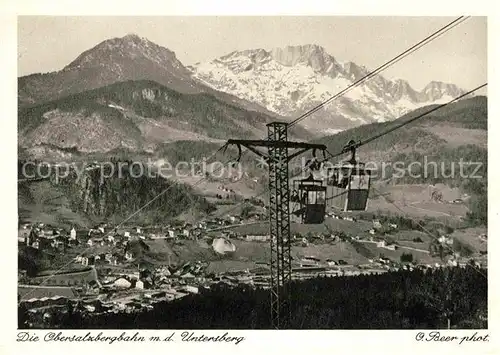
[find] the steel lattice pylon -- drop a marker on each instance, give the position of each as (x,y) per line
(279,226)
(277,145)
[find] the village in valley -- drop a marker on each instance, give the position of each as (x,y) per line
(129,269)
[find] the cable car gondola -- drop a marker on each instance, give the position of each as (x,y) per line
(348,184)
(310,196)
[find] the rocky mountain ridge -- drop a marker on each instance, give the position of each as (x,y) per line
(293,79)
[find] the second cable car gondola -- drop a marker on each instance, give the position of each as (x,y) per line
(310,199)
(348,184)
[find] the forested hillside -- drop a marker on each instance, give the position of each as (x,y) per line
(396,300)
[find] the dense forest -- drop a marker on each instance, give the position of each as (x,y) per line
(125,190)
(119,188)
(202,113)
(395,300)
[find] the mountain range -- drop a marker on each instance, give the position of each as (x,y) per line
(131,94)
(114,60)
(291,80)
(131,98)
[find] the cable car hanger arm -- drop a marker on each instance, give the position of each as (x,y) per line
(277,144)
(251,144)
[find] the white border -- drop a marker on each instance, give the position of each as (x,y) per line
(288,342)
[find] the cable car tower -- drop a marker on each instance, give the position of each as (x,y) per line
(278,156)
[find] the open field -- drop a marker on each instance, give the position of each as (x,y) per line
(45,203)
(469,237)
(457,136)
(439,209)
(220,266)
(56,277)
(337,251)
(420,257)
(222,176)
(330,226)
(446,212)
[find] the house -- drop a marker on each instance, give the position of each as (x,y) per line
(58,244)
(445,240)
(196,231)
(377,224)
(23,240)
(72,234)
(163,271)
(133,275)
(474,263)
(202,225)
(257,238)
(189,289)
(129,255)
(91,288)
(188,276)
(384,260)
(171,233)
(331,262)
(139,284)
(90,242)
(73,242)
(390,247)
(311,259)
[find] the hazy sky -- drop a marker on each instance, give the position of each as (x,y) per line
(49,43)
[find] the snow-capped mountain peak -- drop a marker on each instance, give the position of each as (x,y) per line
(293,79)
(310,54)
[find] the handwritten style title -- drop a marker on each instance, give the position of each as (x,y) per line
(125,337)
